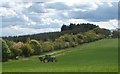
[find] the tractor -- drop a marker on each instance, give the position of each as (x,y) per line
(47,58)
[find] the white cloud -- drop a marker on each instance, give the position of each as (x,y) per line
(72,2)
(7,12)
(48,21)
(26,19)
(85,6)
(65,14)
(76,21)
(36,8)
(111,24)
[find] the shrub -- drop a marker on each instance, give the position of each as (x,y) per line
(15,52)
(72,44)
(102,31)
(16,49)
(36,46)
(60,43)
(10,43)
(90,36)
(115,34)
(47,46)
(5,50)
(27,50)
(75,39)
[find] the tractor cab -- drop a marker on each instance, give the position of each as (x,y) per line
(47,56)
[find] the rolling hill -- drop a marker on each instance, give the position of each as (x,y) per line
(98,56)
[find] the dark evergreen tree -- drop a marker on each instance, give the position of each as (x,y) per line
(64,27)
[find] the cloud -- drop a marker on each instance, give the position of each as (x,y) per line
(86,6)
(37,8)
(27,20)
(6,22)
(7,12)
(43,16)
(102,13)
(66,7)
(111,24)
(35,1)
(91,11)
(58,6)
(71,2)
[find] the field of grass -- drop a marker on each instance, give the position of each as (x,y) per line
(99,56)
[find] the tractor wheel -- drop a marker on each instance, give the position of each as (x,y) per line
(54,60)
(45,61)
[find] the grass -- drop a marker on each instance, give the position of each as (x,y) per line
(99,56)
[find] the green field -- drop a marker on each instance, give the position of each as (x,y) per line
(99,56)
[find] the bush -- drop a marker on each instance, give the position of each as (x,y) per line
(10,43)
(16,49)
(36,46)
(27,50)
(15,52)
(67,38)
(57,45)
(72,44)
(60,43)
(75,40)
(5,50)
(47,46)
(115,34)
(102,31)
(90,36)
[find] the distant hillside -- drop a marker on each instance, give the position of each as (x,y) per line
(41,36)
(69,29)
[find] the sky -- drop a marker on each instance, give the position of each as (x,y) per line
(23,17)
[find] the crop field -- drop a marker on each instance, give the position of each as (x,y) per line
(98,56)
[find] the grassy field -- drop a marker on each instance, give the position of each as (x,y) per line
(99,56)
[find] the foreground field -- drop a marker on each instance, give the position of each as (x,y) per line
(99,56)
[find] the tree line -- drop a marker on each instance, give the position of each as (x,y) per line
(65,29)
(67,39)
